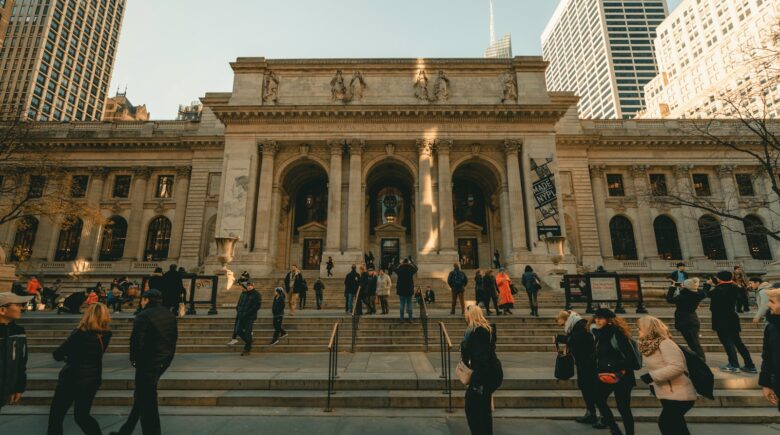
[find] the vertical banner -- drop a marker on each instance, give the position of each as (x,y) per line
(545,197)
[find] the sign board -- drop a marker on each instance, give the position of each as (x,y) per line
(603,287)
(545,197)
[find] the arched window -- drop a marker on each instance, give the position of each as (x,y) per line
(666,238)
(755,231)
(623,243)
(68,243)
(112,245)
(712,238)
(157,239)
(24,239)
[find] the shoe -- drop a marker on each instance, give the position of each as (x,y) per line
(587,419)
(729,368)
(284,334)
(246,352)
(599,425)
(273,342)
(749,369)
(232,342)
(452,313)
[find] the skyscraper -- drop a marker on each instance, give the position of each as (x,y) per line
(58,57)
(603,51)
(5,13)
(501,48)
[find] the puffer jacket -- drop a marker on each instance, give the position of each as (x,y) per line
(667,368)
(154,336)
(248,304)
(13,360)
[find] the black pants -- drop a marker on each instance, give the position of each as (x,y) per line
(319,297)
(587,383)
(622,392)
(385,305)
(302,301)
(743,301)
(244,329)
(533,299)
(488,298)
(672,418)
(367,300)
(79,395)
(278,330)
(479,414)
(732,343)
(145,402)
(330,271)
(691,336)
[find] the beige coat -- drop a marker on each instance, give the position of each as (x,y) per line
(667,368)
(383,285)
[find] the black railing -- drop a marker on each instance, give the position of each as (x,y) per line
(333,363)
(445,345)
(424,320)
(355,319)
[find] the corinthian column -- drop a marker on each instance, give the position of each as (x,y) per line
(426,243)
(688,230)
(180,196)
(516,209)
(446,214)
(134,248)
(648,247)
(355,206)
(333,241)
(599,189)
(736,243)
(91,237)
(265,189)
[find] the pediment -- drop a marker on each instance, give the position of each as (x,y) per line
(390,228)
(468,227)
(312,227)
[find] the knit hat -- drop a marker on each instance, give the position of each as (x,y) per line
(153,294)
(725,275)
(604,313)
(280,291)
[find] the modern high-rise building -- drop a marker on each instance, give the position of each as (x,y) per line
(58,57)
(704,58)
(498,49)
(5,13)
(603,51)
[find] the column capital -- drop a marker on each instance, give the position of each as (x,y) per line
(269,148)
(425,147)
(99,172)
(142,172)
(336,147)
(183,171)
(725,171)
(512,146)
(443,146)
(597,171)
(639,171)
(356,146)
(682,171)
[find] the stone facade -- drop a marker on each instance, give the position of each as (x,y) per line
(5,14)
(119,108)
(443,160)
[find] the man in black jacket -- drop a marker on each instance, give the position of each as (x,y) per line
(351,284)
(404,286)
(725,321)
(769,379)
(172,289)
(152,347)
(457,281)
(13,349)
(246,313)
(685,318)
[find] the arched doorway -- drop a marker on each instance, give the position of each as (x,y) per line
(623,242)
(24,239)
(755,232)
(666,238)
(390,212)
(712,238)
(68,242)
(475,202)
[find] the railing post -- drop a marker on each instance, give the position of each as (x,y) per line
(333,358)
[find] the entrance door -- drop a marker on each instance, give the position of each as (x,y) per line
(468,253)
(312,254)
(390,252)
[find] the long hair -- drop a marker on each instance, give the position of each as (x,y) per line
(562,317)
(95,319)
(475,319)
(654,327)
(618,323)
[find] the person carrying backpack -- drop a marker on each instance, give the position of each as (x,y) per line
(478,353)
(667,370)
(457,281)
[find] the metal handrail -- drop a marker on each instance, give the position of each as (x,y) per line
(355,319)
(424,319)
(333,363)
(445,346)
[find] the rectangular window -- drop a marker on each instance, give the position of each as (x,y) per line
(37,184)
(658,184)
(121,186)
(745,185)
(701,184)
(78,186)
(615,185)
(164,186)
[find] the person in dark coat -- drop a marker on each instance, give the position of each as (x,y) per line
(318,292)
(491,291)
(478,352)
(172,289)
(13,349)
(82,375)
(246,313)
(362,289)
(277,309)
(479,291)
(152,348)
(404,286)
(532,285)
(582,346)
(725,321)
(457,281)
(329,266)
(769,379)
(351,285)
(685,318)
(370,297)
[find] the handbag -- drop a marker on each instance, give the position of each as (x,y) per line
(564,363)
(463,372)
(611,377)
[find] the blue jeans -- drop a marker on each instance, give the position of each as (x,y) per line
(405,301)
(349,297)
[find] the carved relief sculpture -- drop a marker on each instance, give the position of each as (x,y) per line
(441,91)
(270,88)
(356,86)
(337,88)
(421,86)
(510,87)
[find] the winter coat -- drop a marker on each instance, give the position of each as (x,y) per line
(457,281)
(762,300)
(13,360)
(489,286)
(351,282)
(318,287)
(83,353)
(404,284)
(611,360)
(384,284)
(582,346)
(34,286)
(155,282)
(504,291)
(371,285)
(529,280)
(770,366)
(172,289)
(674,276)
(687,302)
(248,304)
(667,368)
(293,283)
(723,303)
(277,308)
(479,289)
(478,352)
(154,336)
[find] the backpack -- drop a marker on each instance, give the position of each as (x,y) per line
(634,361)
(699,373)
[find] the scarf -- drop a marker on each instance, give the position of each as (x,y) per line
(650,345)
(571,321)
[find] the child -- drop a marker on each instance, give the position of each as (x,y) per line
(430,296)
(277,309)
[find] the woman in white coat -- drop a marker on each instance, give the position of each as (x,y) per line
(383,286)
(667,370)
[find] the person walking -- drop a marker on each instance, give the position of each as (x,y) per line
(277,309)
(298,288)
(666,372)
(685,318)
(581,345)
(361,295)
(152,348)
(532,285)
(351,285)
(318,292)
(496,260)
(404,286)
(302,293)
(457,281)
(678,276)
(80,379)
(760,287)
(491,291)
(13,349)
(725,322)
(173,290)
(383,286)
(329,266)
(291,280)
(246,313)
(479,290)
(478,352)
(615,364)
(740,280)
(505,299)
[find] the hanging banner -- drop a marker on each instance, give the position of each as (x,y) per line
(545,197)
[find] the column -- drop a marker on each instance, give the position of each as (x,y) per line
(506,225)
(599,201)
(688,226)
(276,199)
(772,213)
(180,196)
(333,240)
(90,234)
(355,200)
(426,244)
(265,190)
(251,203)
(648,248)
(446,214)
(511,150)
(134,246)
(736,243)
(53,238)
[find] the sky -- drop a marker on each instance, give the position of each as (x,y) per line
(172,52)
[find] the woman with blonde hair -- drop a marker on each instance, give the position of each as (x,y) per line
(666,367)
(81,377)
(478,352)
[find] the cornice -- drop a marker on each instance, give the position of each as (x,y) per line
(130,143)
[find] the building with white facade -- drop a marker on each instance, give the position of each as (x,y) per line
(603,51)
(703,54)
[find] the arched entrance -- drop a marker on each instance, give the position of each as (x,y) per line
(390,212)
(475,201)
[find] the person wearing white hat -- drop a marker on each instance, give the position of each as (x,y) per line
(13,349)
